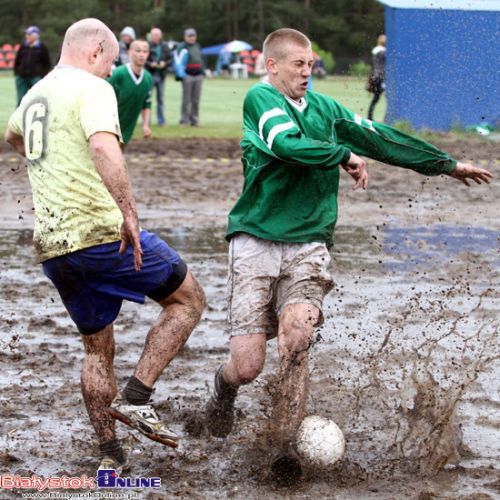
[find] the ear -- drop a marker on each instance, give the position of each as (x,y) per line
(271,66)
(95,53)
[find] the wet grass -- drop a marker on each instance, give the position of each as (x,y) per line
(221,104)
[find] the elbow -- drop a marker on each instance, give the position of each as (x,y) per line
(10,137)
(102,143)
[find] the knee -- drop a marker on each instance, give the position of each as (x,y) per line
(295,332)
(248,371)
(197,299)
(190,295)
(244,369)
(294,343)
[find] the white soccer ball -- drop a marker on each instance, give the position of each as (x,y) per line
(320,441)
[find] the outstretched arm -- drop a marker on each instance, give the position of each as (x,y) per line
(465,171)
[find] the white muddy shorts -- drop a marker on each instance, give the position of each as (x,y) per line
(265,276)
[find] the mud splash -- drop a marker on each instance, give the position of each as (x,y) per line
(406,362)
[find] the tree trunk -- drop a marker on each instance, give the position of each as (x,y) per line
(307,7)
(260,20)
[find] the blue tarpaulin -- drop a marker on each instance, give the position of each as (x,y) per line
(213,50)
(442,62)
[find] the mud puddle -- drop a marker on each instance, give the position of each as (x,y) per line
(406,362)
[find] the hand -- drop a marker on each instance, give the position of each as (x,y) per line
(129,233)
(464,171)
(356,168)
(161,64)
(146,131)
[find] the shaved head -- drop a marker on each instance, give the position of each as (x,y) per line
(86,33)
(89,44)
(277,42)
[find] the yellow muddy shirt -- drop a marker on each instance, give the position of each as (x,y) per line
(73,208)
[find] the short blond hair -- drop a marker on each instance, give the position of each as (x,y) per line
(275,42)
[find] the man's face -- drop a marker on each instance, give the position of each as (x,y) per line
(156,35)
(190,39)
(138,53)
(31,38)
(291,73)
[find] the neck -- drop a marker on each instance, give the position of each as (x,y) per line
(74,62)
(135,68)
(281,90)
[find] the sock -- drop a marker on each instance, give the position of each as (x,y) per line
(136,393)
(113,449)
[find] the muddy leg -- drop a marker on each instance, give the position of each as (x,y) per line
(98,381)
(248,353)
(181,313)
(294,339)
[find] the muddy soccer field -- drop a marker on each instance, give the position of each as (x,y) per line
(406,362)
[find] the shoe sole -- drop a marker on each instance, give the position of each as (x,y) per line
(154,437)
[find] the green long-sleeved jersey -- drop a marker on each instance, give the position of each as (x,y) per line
(291,155)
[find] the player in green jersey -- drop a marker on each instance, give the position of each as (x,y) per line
(133,86)
(282,225)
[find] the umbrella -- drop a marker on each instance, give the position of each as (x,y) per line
(237,46)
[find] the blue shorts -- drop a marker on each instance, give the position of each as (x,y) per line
(93,282)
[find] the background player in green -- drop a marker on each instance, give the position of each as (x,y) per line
(281,227)
(133,86)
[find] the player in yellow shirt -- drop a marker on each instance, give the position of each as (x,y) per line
(87,234)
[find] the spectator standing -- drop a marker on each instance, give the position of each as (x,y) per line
(32,62)
(260,66)
(157,64)
(377,84)
(127,36)
(190,69)
(133,86)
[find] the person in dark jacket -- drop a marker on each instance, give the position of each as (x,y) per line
(378,76)
(32,62)
(157,64)
(190,69)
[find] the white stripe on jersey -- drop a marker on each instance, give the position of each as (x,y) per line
(276,130)
(360,121)
(267,116)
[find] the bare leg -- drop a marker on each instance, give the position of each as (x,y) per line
(98,381)
(294,339)
(248,353)
(181,313)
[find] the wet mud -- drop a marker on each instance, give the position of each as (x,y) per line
(406,363)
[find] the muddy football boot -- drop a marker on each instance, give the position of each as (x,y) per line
(144,419)
(219,412)
(285,468)
(110,463)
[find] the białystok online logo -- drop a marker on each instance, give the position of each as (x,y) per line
(108,478)
(105,479)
